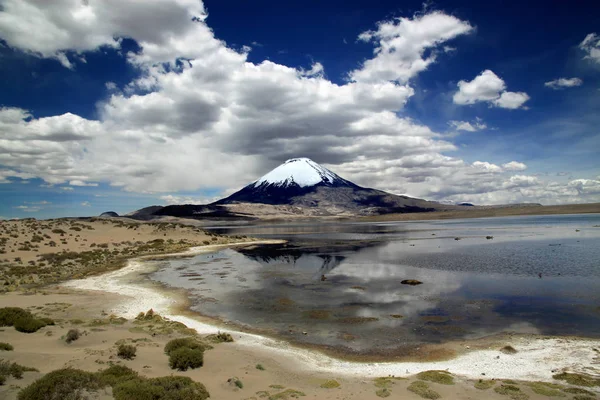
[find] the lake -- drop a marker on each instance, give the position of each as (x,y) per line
(340,284)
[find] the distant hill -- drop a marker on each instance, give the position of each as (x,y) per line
(109,214)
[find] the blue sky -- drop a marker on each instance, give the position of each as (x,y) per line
(120,106)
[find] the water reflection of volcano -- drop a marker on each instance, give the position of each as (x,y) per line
(318,258)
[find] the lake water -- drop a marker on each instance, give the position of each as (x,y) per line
(339,284)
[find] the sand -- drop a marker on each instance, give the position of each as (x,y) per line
(76,303)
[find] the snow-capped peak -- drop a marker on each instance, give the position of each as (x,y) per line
(300,171)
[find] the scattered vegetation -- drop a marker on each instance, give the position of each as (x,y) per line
(285,395)
(167,388)
(383,392)
(484,384)
(577,379)
(221,337)
(443,377)
(126,351)
(22,320)
(153,323)
(546,389)
(71,383)
(184,358)
(8,315)
(29,325)
(6,346)
(512,391)
(330,384)
(237,382)
(422,389)
(578,391)
(12,369)
(188,342)
(260,367)
(508,350)
(72,335)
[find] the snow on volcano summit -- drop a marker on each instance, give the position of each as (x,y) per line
(303,172)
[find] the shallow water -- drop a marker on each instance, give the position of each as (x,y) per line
(537,275)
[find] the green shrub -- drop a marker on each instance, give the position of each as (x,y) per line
(260,367)
(221,337)
(185,357)
(29,325)
(116,374)
(72,335)
(164,388)
(64,383)
(188,342)
(421,388)
(8,315)
(577,379)
(126,351)
(443,377)
(2,380)
(6,346)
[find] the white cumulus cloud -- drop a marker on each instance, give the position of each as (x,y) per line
(401,44)
(514,166)
(488,87)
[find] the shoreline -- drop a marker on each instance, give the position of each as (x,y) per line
(538,357)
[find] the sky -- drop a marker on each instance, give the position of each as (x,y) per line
(121,104)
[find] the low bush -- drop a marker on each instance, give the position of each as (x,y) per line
(165,388)
(67,383)
(116,374)
(221,337)
(8,315)
(72,335)
(126,351)
(185,357)
(188,342)
(6,346)
(29,325)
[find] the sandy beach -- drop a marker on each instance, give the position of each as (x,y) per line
(94,304)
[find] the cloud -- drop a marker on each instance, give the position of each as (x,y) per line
(86,204)
(485,166)
(219,121)
(474,126)
(511,100)
(173,199)
(591,45)
(62,29)
(562,83)
(514,166)
(28,208)
(401,45)
(79,182)
(488,87)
